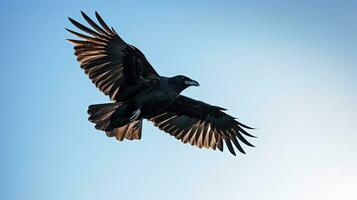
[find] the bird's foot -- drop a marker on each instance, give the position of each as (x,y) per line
(135,115)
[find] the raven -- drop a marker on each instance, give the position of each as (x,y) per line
(138,92)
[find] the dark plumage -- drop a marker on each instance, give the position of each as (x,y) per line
(122,72)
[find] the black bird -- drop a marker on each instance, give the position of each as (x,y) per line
(138,92)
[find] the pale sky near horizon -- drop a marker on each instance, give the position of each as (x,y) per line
(287,68)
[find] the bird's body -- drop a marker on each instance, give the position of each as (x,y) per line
(155,98)
(138,92)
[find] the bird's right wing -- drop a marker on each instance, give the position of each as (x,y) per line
(201,124)
(111,64)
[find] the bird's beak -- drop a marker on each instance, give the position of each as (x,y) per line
(192,83)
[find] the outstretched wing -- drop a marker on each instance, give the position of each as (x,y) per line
(111,64)
(201,124)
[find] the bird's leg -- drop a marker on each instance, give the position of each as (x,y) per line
(135,115)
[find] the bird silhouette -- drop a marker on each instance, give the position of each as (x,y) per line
(138,92)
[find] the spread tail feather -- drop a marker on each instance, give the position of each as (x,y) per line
(110,118)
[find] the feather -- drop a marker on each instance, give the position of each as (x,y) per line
(229,145)
(83,28)
(104,25)
(220,144)
(236,143)
(94,25)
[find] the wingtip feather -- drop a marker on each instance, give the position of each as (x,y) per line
(71,41)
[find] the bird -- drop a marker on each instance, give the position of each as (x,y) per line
(137,92)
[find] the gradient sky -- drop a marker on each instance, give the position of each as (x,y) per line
(289,69)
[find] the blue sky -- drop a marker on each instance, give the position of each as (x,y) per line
(288,68)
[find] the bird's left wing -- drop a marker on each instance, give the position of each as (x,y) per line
(201,124)
(114,66)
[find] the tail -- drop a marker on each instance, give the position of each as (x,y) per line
(110,117)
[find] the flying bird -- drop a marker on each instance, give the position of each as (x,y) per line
(138,92)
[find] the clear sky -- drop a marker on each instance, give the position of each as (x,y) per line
(287,68)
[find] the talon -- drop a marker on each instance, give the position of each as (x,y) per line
(135,115)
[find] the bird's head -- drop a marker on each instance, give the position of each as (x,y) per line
(181,82)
